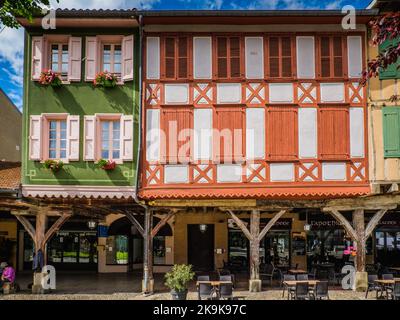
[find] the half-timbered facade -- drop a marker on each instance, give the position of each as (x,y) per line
(260,112)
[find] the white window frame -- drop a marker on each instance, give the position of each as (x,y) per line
(110,139)
(112,58)
(60,44)
(58,139)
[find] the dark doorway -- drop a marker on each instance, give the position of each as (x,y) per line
(201,247)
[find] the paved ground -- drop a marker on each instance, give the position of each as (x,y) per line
(92,286)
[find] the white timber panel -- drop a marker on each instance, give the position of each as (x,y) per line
(282,172)
(307,133)
(203,134)
(334,171)
(357,132)
(255,133)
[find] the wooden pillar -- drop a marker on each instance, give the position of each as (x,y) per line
(148,279)
(41,225)
(255,245)
(360,241)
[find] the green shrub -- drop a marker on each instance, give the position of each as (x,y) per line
(179,277)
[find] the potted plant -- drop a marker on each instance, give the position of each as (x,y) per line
(177,280)
(54,165)
(107,165)
(105,79)
(50,78)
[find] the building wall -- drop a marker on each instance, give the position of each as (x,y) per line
(10,130)
(80,98)
(8,231)
(379,93)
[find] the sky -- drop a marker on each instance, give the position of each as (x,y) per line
(11,40)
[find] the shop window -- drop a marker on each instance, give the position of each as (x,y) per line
(117,250)
(159,250)
(392,71)
(391,131)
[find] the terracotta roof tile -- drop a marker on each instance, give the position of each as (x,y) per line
(10,175)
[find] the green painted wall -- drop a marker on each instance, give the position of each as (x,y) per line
(79,99)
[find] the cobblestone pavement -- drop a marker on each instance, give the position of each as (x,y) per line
(93,286)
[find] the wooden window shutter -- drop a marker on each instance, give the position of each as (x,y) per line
(38,57)
(235,57)
(176,123)
(73,130)
(392,71)
(91,58)
(337,57)
(229,146)
(35,137)
(127,137)
(333,133)
(75,59)
(127,58)
(286,57)
(183,57)
(170,58)
(282,142)
(325,57)
(273,57)
(90,138)
(391,131)
(222,57)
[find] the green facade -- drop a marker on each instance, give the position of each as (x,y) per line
(80,98)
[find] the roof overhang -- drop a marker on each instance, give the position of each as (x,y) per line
(384,5)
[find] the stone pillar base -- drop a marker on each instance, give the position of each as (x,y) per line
(148,288)
(255,285)
(37,287)
(361,281)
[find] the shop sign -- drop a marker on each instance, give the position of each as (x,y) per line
(281,224)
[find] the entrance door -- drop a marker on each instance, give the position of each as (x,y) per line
(201,247)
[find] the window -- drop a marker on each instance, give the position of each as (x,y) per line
(159,250)
(112,59)
(331,50)
(392,71)
(176,57)
(117,250)
(280,57)
(110,139)
(228,57)
(391,131)
(333,134)
(57,139)
(59,59)
(282,133)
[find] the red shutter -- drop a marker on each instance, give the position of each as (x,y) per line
(337,57)
(230,124)
(222,57)
(325,57)
(282,133)
(183,56)
(175,123)
(235,57)
(286,57)
(170,58)
(333,133)
(274,57)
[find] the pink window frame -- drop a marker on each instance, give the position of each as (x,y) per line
(46,134)
(99,119)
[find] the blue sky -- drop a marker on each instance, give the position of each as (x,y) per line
(11,48)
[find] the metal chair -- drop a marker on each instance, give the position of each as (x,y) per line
(205,291)
(396,291)
(230,278)
(226,291)
(302,277)
(372,285)
(389,288)
(289,289)
(268,273)
(321,291)
(203,278)
(313,273)
(301,291)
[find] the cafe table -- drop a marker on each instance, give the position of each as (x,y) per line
(297,271)
(383,283)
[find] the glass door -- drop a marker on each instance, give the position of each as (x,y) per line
(277,248)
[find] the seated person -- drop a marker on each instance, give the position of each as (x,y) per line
(8,275)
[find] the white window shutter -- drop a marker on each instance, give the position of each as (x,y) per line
(127,58)
(90,138)
(38,56)
(75,59)
(35,138)
(91,58)
(73,138)
(127,137)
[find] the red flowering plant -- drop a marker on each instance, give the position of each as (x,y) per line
(105,79)
(107,165)
(50,78)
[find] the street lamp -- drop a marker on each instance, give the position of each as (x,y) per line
(203,228)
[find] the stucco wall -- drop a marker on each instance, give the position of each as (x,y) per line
(10,130)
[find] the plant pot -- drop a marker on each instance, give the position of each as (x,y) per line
(179,295)
(109,84)
(56,85)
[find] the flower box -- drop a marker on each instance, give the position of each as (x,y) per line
(105,79)
(50,78)
(107,165)
(54,165)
